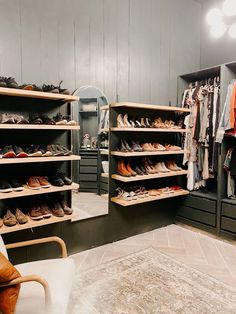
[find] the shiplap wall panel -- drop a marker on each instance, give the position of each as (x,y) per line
(49,41)
(131,48)
(123,48)
(110,48)
(155,74)
(33,51)
(10,39)
(82,42)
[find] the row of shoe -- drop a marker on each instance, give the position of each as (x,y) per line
(58,119)
(14,151)
(140,192)
(135,146)
(57,208)
(145,167)
(10,82)
(34,182)
(123,121)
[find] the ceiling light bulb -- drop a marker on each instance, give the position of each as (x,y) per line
(229,7)
(218,30)
(232,31)
(214,16)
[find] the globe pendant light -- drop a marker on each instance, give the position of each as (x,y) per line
(229,7)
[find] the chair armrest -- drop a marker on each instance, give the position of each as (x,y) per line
(30,278)
(40,241)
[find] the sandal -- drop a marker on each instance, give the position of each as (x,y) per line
(153,192)
(123,195)
(139,192)
(172,147)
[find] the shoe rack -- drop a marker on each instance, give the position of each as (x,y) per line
(160,135)
(103,156)
(28,102)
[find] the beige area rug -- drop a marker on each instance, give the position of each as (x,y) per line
(149,282)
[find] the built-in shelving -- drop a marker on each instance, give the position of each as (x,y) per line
(147,106)
(115,129)
(155,153)
(104,175)
(29,192)
(38,127)
(104,151)
(104,107)
(5,161)
(149,198)
(149,176)
(105,130)
(35,94)
(38,223)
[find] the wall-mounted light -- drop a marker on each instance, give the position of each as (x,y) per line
(222,20)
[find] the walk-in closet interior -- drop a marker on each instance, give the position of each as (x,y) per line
(118,137)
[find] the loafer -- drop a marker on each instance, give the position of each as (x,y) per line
(44,182)
(45,210)
(8,152)
(33,183)
(5,187)
(20,153)
(57,210)
(35,213)
(16,185)
(9,219)
(56,181)
(20,217)
(67,210)
(34,151)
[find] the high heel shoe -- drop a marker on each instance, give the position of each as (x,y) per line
(125,143)
(126,121)
(143,125)
(138,124)
(148,122)
(120,121)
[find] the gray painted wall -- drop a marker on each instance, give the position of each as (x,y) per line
(215,51)
(131,48)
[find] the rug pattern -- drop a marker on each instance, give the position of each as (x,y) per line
(149,282)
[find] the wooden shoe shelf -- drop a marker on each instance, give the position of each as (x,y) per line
(28,192)
(5,161)
(144,135)
(44,103)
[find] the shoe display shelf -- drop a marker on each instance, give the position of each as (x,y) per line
(103,156)
(160,135)
(39,127)
(33,102)
(15,92)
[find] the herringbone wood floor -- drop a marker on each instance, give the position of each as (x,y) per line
(200,251)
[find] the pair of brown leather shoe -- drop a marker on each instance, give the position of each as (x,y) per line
(124,169)
(10,219)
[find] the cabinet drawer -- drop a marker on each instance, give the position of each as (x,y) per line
(229,210)
(228,224)
(104,186)
(104,180)
(88,162)
(197,215)
(88,185)
(199,203)
(88,177)
(84,169)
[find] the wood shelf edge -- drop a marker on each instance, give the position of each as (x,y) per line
(148,106)
(116,129)
(148,199)
(149,177)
